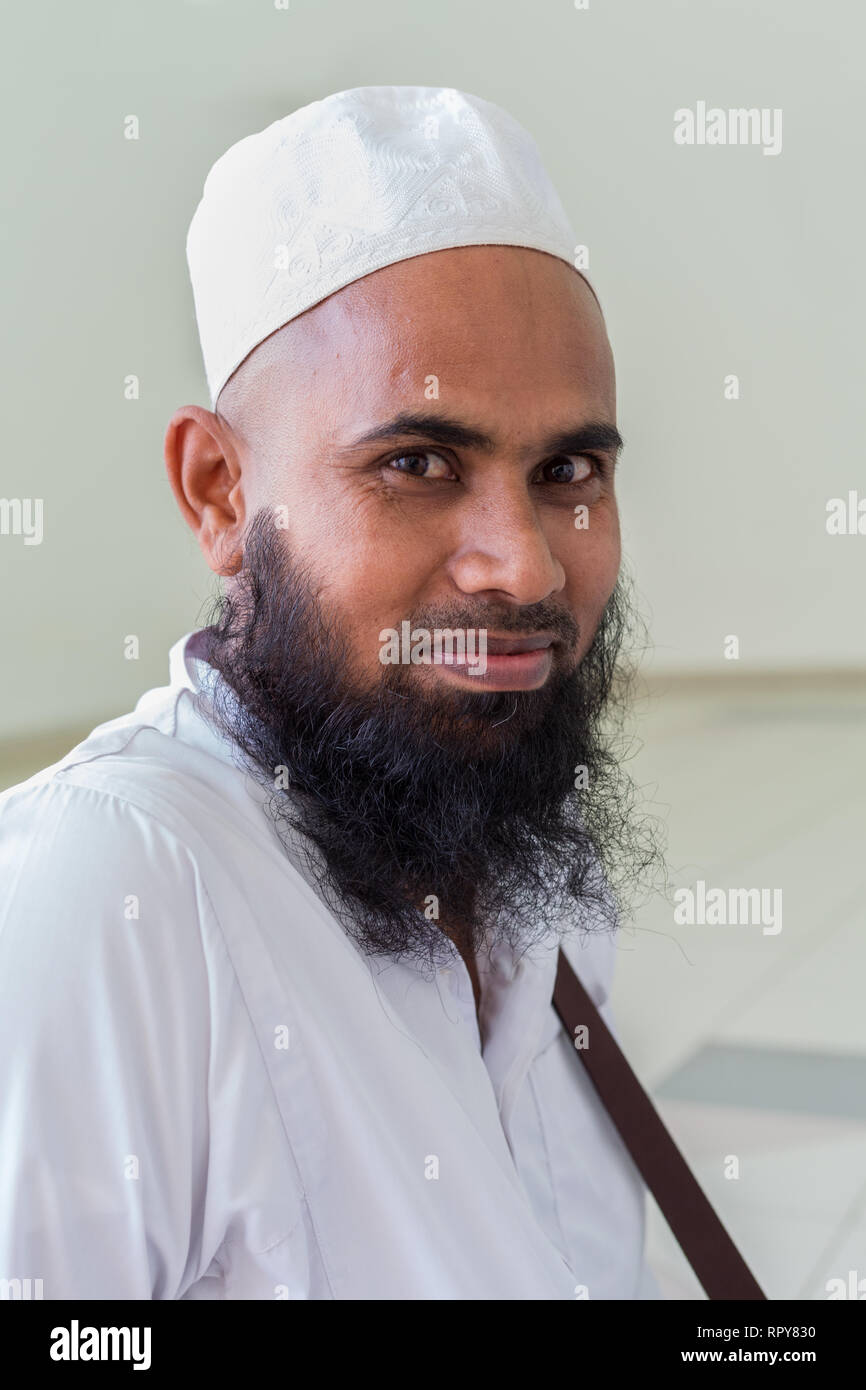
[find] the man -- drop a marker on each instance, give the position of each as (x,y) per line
(278,947)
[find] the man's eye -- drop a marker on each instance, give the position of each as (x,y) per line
(422,464)
(568,468)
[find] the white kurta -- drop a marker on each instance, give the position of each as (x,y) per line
(208,1091)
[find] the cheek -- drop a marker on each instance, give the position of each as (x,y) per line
(372,564)
(591,560)
(368,581)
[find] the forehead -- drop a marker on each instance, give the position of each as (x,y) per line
(511,335)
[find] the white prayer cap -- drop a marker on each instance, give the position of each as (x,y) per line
(350,184)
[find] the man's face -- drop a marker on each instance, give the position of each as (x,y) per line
(469,518)
(418,449)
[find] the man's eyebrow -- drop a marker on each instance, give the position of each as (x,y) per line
(593,434)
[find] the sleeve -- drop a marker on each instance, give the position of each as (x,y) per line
(105,1027)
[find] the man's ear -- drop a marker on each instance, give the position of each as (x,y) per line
(203,465)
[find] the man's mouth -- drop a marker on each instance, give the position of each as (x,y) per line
(510,663)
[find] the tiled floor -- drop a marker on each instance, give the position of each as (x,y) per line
(754,1045)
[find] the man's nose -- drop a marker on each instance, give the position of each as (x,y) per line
(503,550)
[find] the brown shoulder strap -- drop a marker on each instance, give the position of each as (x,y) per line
(706,1244)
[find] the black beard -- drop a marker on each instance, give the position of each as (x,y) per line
(427,809)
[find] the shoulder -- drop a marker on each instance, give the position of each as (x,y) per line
(69,844)
(108,934)
(130,798)
(105,923)
(118,1009)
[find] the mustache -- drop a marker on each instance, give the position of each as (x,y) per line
(545,616)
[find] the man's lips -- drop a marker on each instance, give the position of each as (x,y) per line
(510,663)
